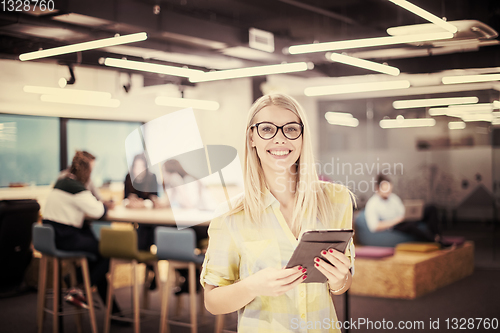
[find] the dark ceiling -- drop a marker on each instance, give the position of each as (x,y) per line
(208,27)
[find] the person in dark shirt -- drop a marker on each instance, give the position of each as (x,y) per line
(141,190)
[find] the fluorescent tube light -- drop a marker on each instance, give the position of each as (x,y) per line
(344,121)
(470,78)
(481,107)
(477,117)
(453,125)
(95,44)
(438,112)
(366,64)
(330,115)
(356,87)
(110,103)
(70,93)
(460,110)
(367,42)
(251,71)
(418,103)
(187,103)
(148,67)
(425,15)
(405,123)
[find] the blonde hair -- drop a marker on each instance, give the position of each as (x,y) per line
(311,200)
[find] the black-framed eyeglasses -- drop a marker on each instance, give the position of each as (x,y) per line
(267,130)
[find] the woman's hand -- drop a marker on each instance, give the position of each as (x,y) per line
(338,274)
(274,282)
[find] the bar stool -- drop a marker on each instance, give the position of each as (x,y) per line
(178,247)
(121,245)
(44,242)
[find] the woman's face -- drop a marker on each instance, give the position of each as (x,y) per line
(138,168)
(278,153)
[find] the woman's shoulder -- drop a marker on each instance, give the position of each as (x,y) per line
(334,189)
(337,193)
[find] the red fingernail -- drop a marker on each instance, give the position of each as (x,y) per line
(323,252)
(304,277)
(331,250)
(317,265)
(300,267)
(316,259)
(304,270)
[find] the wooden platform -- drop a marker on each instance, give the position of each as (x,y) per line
(409,275)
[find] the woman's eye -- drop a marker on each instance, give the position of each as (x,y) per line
(267,129)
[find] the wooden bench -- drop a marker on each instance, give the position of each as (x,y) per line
(409,275)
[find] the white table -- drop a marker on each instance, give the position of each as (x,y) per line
(165,216)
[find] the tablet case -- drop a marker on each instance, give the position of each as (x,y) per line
(310,246)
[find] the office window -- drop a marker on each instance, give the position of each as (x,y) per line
(106,141)
(29,150)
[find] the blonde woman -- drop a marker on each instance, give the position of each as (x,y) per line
(250,246)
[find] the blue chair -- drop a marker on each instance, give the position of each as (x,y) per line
(386,238)
(44,242)
(179,248)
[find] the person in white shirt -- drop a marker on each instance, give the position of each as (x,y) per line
(66,207)
(385,211)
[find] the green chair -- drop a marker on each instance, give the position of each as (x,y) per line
(121,245)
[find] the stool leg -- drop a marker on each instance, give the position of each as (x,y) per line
(164,327)
(42,286)
(55,283)
(78,316)
(135,274)
(192,296)
(219,323)
(145,290)
(88,290)
(110,276)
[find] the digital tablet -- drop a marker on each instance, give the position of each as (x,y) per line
(310,246)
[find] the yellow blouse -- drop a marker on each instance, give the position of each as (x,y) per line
(239,248)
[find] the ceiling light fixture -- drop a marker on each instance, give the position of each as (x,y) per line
(478,117)
(361,63)
(470,78)
(251,71)
(405,123)
(419,103)
(148,67)
(425,15)
(95,44)
(356,87)
(341,119)
(70,93)
(187,103)
(110,103)
(367,42)
(453,125)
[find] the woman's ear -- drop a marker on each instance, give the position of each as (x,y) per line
(252,143)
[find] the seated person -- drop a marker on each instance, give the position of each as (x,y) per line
(140,184)
(89,185)
(65,209)
(141,190)
(385,212)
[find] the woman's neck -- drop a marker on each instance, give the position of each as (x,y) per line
(282,185)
